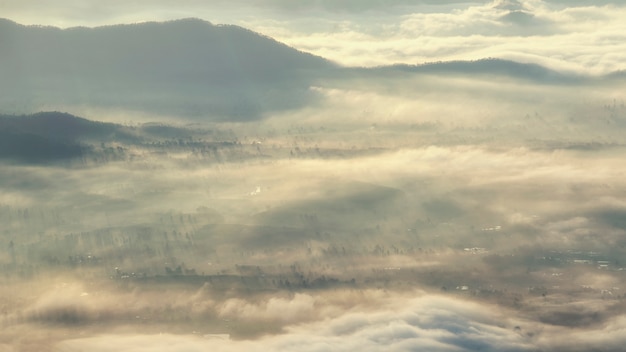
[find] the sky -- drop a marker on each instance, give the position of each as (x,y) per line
(581,36)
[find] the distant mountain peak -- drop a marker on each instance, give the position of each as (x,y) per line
(488,66)
(187,66)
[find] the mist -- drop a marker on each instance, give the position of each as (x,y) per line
(307,205)
(580,36)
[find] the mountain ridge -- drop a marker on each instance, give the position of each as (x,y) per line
(184,67)
(194,69)
(494,66)
(44,137)
(201,26)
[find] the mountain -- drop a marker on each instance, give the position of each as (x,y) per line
(63,128)
(194,69)
(493,66)
(484,67)
(178,50)
(43,137)
(189,67)
(50,137)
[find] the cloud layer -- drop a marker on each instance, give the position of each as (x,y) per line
(398,324)
(582,36)
(585,39)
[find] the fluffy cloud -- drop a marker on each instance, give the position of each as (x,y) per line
(427,322)
(393,322)
(586,39)
(584,36)
(338,320)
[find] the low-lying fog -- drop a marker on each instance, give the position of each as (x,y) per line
(423,212)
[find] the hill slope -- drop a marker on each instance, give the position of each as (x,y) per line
(194,69)
(45,137)
(188,66)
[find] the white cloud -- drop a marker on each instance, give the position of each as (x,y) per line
(586,36)
(400,323)
(391,332)
(393,322)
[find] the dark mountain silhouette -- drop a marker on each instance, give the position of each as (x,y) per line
(63,128)
(55,136)
(42,137)
(24,147)
(69,129)
(188,66)
(489,66)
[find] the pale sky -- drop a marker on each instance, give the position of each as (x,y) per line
(582,35)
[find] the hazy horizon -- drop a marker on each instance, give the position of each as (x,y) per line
(579,36)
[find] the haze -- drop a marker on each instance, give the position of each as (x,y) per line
(580,35)
(312,176)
